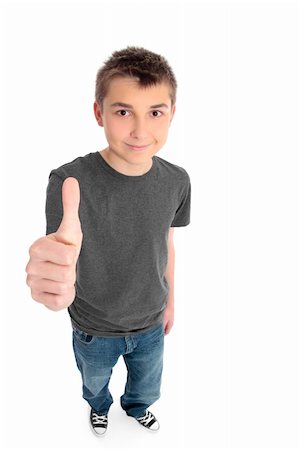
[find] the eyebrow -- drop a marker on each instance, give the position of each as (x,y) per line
(126,105)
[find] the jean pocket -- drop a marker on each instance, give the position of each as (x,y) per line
(83,337)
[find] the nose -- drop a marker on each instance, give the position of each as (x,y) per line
(139,130)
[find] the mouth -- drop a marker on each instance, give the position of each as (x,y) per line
(138,147)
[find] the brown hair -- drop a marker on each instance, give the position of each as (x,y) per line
(148,67)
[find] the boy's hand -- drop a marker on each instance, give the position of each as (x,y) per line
(51,269)
(168,319)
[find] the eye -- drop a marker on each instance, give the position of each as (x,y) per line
(122,111)
(156,111)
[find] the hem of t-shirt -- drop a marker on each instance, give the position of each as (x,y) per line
(114,333)
(180,224)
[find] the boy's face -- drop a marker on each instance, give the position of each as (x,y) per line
(135,119)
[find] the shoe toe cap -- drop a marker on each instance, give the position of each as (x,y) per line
(100,430)
(155,426)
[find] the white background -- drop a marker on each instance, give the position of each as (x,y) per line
(231,361)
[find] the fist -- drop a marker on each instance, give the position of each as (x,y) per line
(51,269)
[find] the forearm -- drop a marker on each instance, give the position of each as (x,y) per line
(169,274)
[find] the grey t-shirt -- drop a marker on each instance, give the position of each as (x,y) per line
(121,287)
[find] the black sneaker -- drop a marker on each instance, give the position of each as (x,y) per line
(98,422)
(149,421)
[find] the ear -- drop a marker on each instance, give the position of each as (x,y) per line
(98,114)
(172,113)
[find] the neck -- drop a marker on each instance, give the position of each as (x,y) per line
(124,166)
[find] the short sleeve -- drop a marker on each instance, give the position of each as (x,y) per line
(54,209)
(182,214)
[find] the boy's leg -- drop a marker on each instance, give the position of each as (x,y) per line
(95,357)
(145,365)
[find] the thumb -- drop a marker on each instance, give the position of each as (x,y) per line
(69,231)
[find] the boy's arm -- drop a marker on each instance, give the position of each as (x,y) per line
(169,275)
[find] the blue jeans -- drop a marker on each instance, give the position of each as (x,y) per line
(143,355)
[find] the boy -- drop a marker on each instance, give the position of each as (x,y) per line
(108,253)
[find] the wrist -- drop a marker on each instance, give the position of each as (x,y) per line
(170,303)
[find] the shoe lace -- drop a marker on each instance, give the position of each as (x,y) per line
(146,418)
(99,419)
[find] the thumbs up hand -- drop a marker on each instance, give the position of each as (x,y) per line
(69,231)
(51,269)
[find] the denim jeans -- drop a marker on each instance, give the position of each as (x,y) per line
(143,355)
